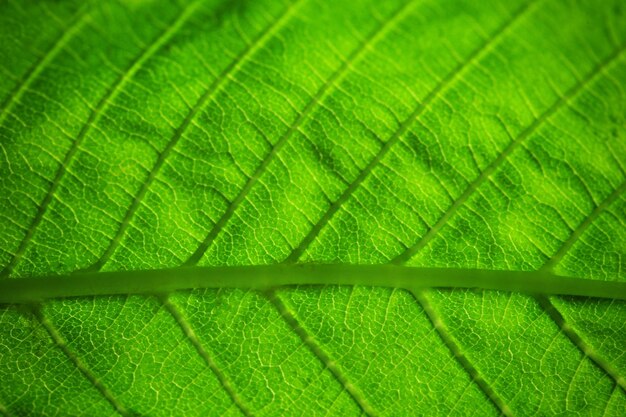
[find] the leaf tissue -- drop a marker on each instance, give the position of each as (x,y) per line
(312,208)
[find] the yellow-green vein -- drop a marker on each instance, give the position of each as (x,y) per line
(183,323)
(76,23)
(80,365)
(97,111)
(356,54)
(214,87)
(310,342)
(554,313)
(421,297)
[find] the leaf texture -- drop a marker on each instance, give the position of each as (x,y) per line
(479,148)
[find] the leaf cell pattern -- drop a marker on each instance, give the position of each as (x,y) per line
(157,134)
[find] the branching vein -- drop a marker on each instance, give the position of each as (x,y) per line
(72,28)
(584,225)
(486,173)
(606,366)
(317,350)
(549,307)
(29,293)
(97,111)
(80,365)
(403,128)
(396,137)
(215,86)
(422,298)
(191,336)
(311,105)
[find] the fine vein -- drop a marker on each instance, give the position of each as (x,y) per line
(548,306)
(544,301)
(74,26)
(80,365)
(606,366)
(404,126)
(193,339)
(319,95)
(397,135)
(109,95)
(422,298)
(215,86)
(556,258)
(377,33)
(486,173)
(317,350)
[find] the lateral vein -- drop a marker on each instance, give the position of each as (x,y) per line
(422,298)
(553,312)
(590,353)
(193,339)
(583,226)
(433,94)
(311,105)
(14,96)
(215,86)
(404,126)
(317,350)
(543,300)
(80,365)
(486,173)
(93,117)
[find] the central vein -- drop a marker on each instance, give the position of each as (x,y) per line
(27,290)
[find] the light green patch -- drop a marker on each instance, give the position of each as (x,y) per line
(174,174)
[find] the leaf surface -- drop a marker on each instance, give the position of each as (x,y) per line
(311,207)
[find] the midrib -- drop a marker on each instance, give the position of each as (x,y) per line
(163,281)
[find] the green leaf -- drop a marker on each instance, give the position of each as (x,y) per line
(313,207)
